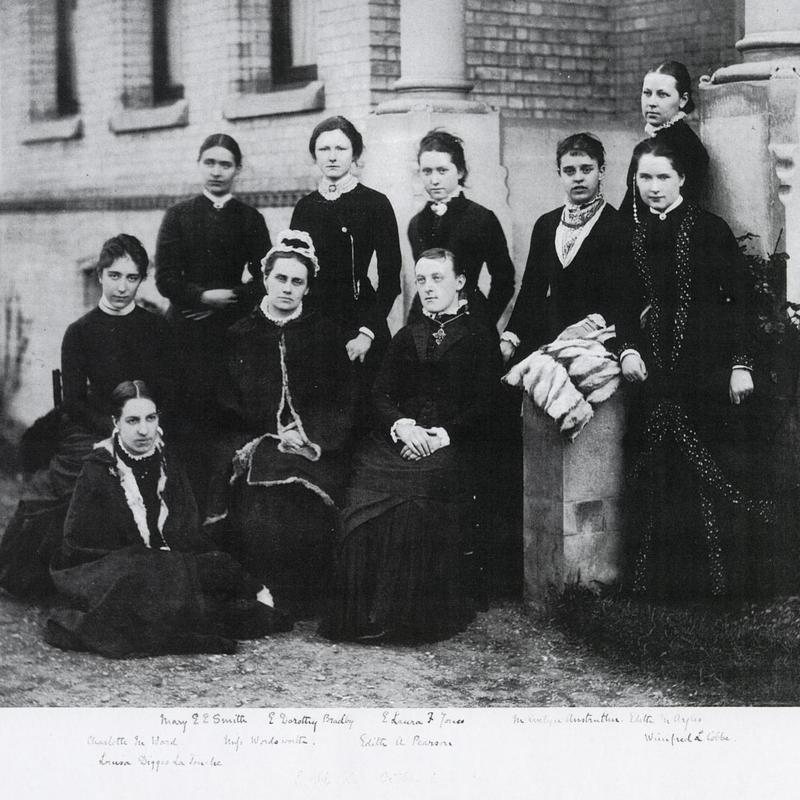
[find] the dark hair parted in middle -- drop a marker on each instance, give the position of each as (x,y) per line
(119,246)
(129,390)
(441,254)
(660,148)
(337,123)
(683,81)
(222,140)
(440,141)
(584,142)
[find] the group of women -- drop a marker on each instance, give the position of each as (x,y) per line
(337,466)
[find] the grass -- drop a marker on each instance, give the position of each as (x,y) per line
(745,653)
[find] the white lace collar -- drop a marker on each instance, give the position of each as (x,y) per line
(652,130)
(107,308)
(279,320)
(333,190)
(217,201)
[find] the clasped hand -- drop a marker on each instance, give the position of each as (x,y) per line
(418,442)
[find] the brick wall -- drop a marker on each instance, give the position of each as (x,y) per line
(541,59)
(700,33)
(544,59)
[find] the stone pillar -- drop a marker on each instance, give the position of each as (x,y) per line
(572,526)
(432,55)
(432,92)
(750,122)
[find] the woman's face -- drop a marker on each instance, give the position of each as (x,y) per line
(440,176)
(137,425)
(286,285)
(120,281)
(580,176)
(660,98)
(217,170)
(333,153)
(658,181)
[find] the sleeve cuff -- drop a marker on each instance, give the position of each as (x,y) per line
(629,351)
(508,336)
(367,332)
(742,366)
(443,436)
(397,424)
(742,361)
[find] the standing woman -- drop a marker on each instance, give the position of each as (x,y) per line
(685,340)
(204,246)
(666,101)
(350,223)
(468,230)
(575,250)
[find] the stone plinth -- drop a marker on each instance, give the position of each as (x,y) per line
(572,516)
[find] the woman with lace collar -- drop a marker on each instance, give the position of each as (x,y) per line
(115,341)
(666,103)
(288,401)
(134,572)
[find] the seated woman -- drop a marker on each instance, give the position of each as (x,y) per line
(408,514)
(288,393)
(135,574)
(114,342)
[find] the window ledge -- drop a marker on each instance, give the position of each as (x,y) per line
(130,120)
(310,97)
(52,130)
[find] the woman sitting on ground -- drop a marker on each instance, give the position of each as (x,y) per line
(134,572)
(114,342)
(288,394)
(400,571)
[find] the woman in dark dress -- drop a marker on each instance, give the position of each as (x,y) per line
(574,255)
(468,230)
(685,340)
(114,342)
(666,101)
(288,395)
(134,574)
(205,245)
(350,223)
(400,564)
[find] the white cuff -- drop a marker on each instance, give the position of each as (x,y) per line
(508,336)
(629,352)
(443,436)
(367,332)
(402,421)
(741,366)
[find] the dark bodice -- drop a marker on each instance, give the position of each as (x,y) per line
(347,232)
(475,237)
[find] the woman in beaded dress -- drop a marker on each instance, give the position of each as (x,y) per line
(350,224)
(684,342)
(135,575)
(666,101)
(113,342)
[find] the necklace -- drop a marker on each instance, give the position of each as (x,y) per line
(439,335)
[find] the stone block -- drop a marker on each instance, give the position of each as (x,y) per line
(571,512)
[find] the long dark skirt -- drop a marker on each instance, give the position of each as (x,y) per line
(140,602)
(695,528)
(35,530)
(400,569)
(284,535)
